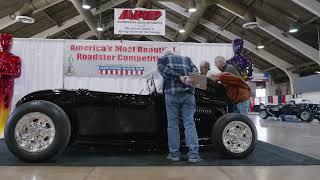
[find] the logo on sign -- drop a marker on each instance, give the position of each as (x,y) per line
(140,14)
(120,70)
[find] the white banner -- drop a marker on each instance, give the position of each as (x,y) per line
(112,59)
(139,21)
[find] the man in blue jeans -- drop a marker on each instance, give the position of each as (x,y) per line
(179,97)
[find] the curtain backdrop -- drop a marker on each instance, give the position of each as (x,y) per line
(207,52)
(42,67)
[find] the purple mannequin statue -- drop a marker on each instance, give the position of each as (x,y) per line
(243,65)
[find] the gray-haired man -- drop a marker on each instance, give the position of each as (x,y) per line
(220,63)
(204,67)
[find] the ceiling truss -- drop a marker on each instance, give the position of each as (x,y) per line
(192,22)
(281,64)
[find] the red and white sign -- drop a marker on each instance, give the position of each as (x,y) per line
(139,21)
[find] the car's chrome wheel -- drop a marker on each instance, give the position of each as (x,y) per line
(305,116)
(234,135)
(237,137)
(263,114)
(35,132)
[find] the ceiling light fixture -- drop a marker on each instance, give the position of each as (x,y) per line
(181,28)
(192,7)
(100,25)
(250,25)
(260,45)
(25,19)
(85,4)
(99,28)
(294,28)
(181,31)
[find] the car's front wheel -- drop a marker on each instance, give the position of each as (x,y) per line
(234,135)
(306,116)
(37,131)
(263,114)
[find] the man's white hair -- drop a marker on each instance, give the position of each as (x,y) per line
(205,64)
(220,59)
(168,50)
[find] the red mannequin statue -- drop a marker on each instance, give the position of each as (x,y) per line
(10,68)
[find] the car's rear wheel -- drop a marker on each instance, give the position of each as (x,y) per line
(234,135)
(306,116)
(263,114)
(37,131)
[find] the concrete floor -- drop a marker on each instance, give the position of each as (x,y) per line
(299,137)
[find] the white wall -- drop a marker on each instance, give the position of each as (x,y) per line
(253,86)
(313,97)
(41,65)
(273,88)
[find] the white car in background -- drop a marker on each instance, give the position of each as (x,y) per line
(298,101)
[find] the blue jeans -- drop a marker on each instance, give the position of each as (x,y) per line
(186,104)
(242,107)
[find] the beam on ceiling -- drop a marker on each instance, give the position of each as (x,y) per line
(302,65)
(86,35)
(193,22)
(51,17)
(141,3)
(107,6)
(56,29)
(74,21)
(281,64)
(311,5)
(296,35)
(69,34)
(7,21)
(269,69)
(230,21)
(158,38)
(88,17)
(54,20)
(237,9)
(198,38)
(169,37)
(47,6)
(194,36)
(295,43)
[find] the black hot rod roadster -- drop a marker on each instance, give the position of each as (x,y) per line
(44,123)
(303,110)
